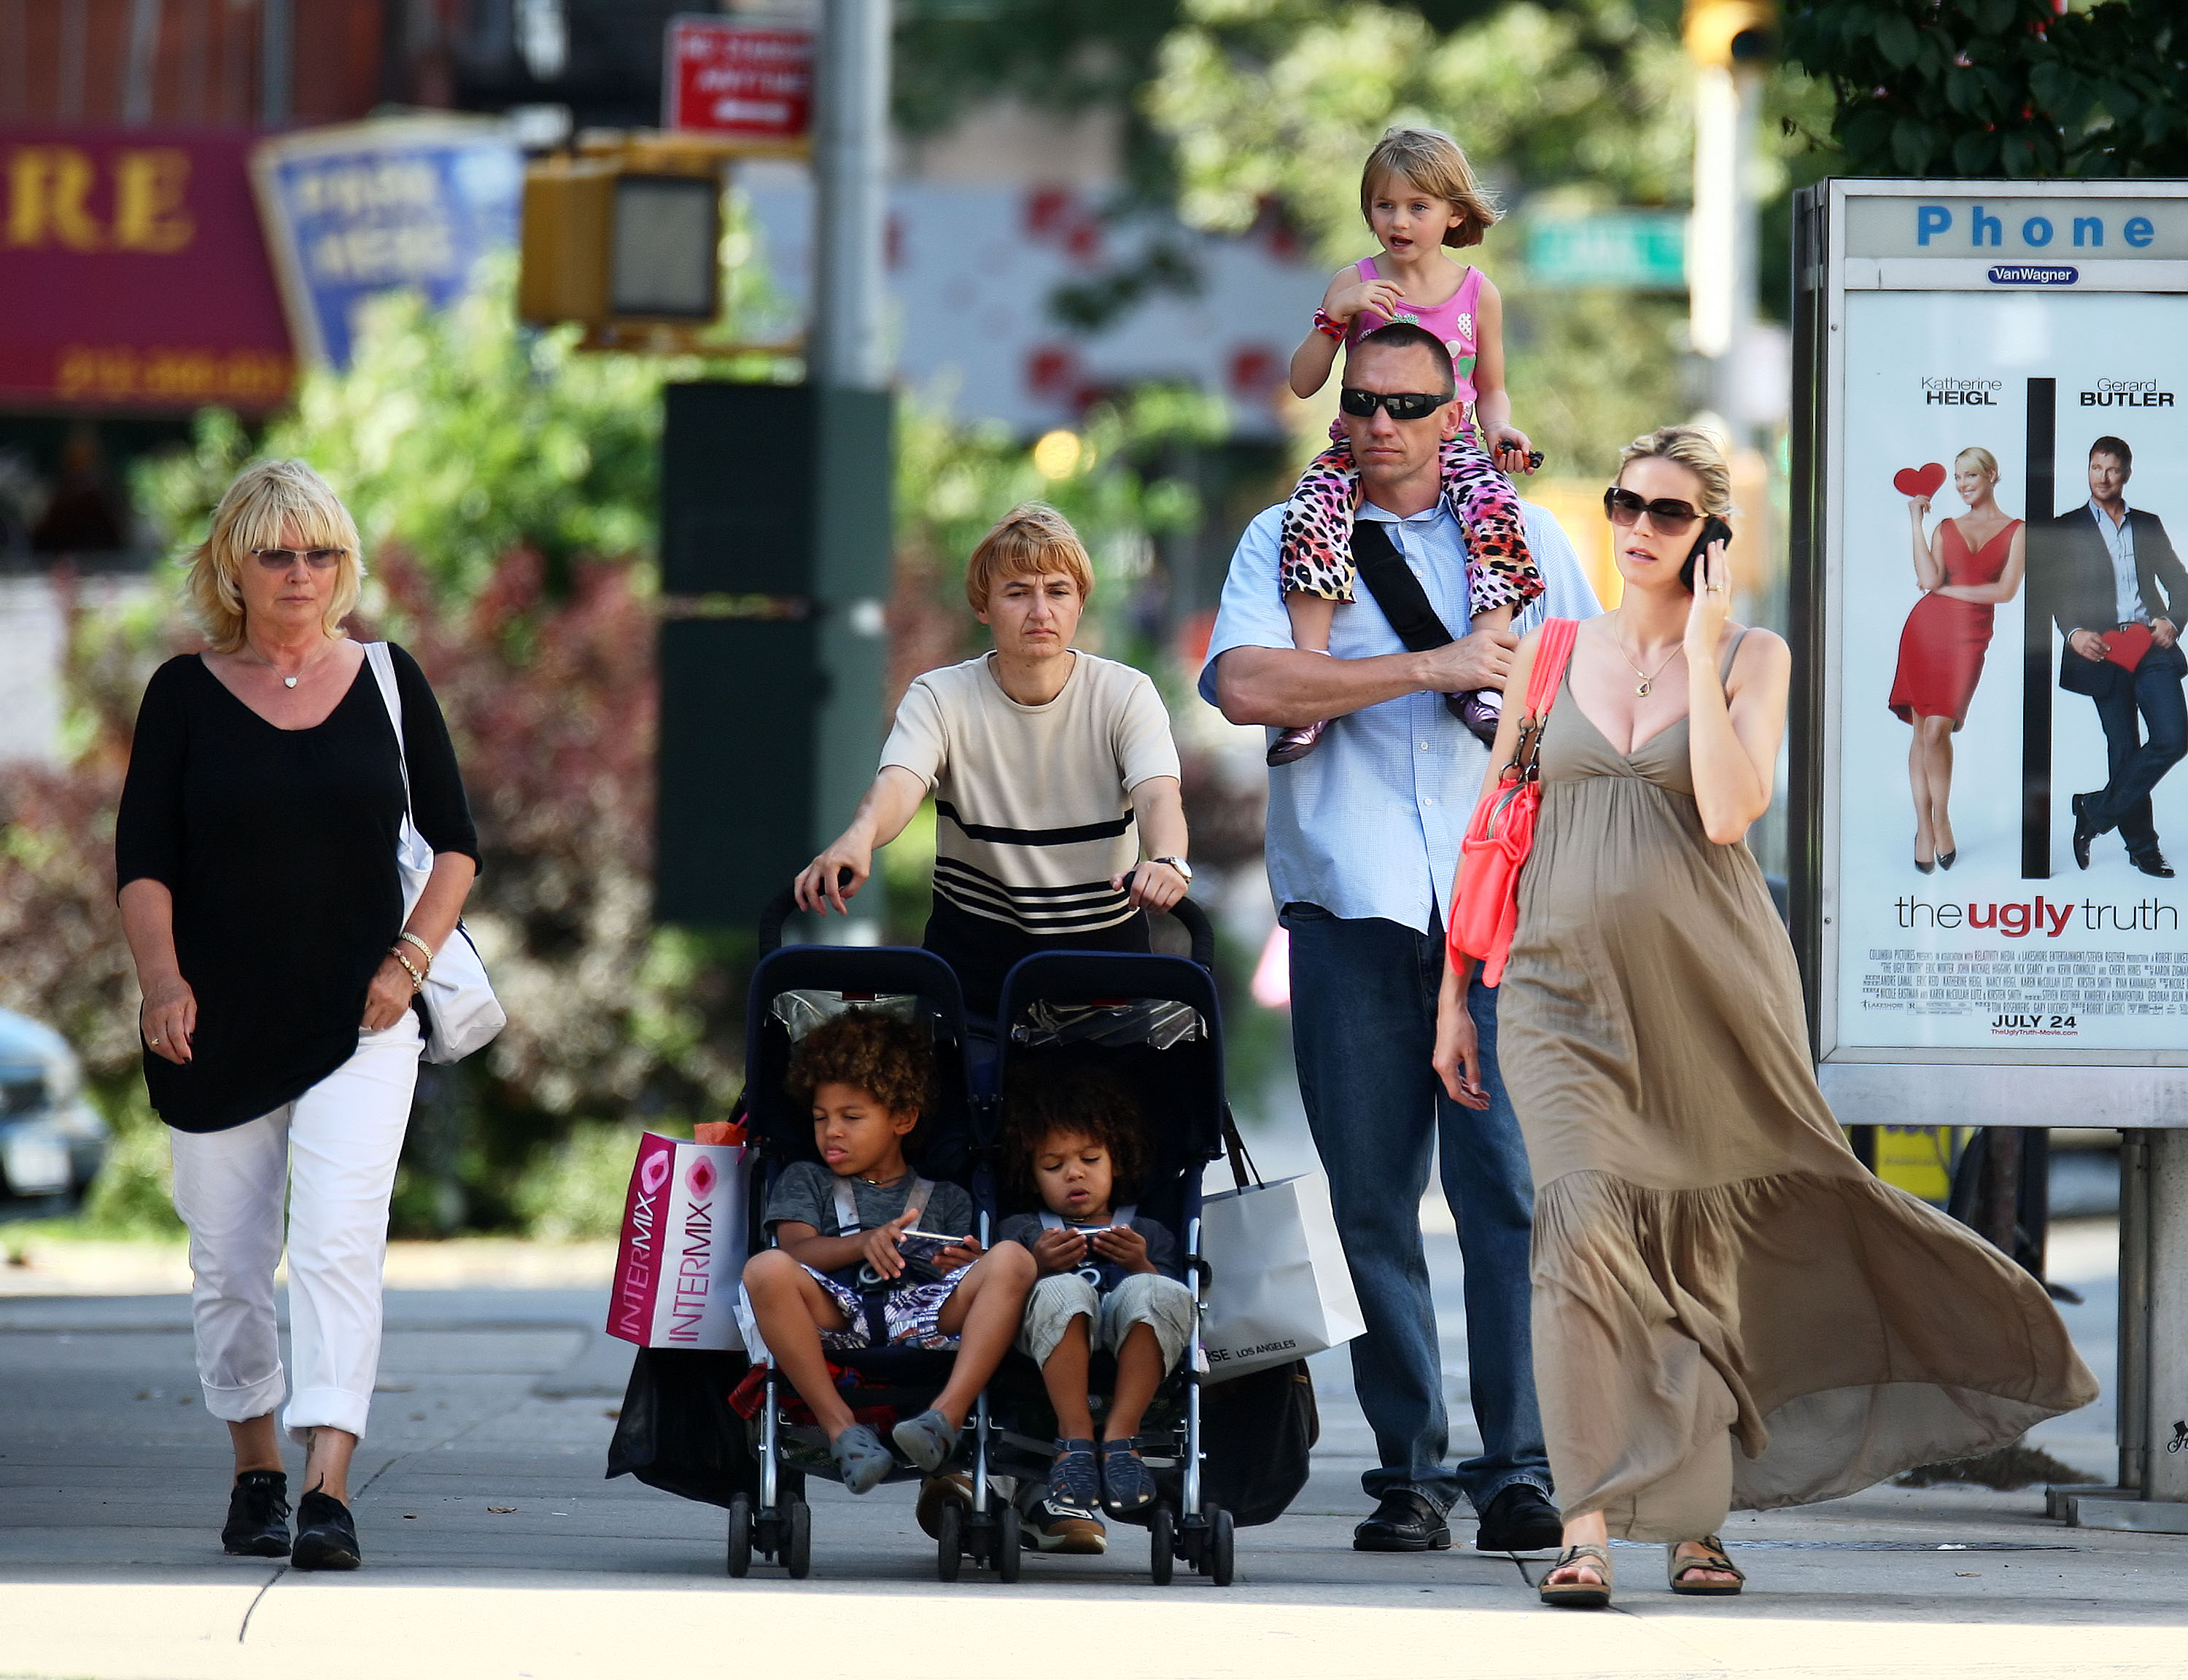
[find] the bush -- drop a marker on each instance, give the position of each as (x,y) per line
(578,1188)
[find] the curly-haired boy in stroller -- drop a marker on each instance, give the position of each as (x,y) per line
(838,1277)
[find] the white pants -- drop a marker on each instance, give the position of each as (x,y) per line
(333,1151)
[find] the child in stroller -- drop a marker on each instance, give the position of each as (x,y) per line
(1109,1277)
(850,1272)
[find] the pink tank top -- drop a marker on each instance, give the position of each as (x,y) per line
(1453,321)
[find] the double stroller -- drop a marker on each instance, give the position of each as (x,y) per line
(1153,1022)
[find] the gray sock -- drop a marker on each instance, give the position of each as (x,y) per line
(859,1455)
(926,1439)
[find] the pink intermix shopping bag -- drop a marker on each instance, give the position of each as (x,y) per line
(683,1250)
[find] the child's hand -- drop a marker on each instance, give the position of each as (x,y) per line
(880,1247)
(1059,1251)
(1121,1245)
(963,1252)
(1510,447)
(1379,294)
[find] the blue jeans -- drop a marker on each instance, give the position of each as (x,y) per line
(2136,763)
(1363,1027)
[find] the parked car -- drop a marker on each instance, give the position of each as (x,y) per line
(52,1140)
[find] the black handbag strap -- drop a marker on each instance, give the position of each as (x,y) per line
(1404,602)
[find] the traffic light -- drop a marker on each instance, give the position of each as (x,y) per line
(624,236)
(1730,34)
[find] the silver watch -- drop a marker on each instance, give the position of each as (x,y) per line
(1180,864)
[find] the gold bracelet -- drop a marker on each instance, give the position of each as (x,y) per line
(417,980)
(424,950)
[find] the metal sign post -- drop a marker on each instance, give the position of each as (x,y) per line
(1991,457)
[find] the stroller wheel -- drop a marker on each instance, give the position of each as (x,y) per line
(798,1547)
(949,1541)
(740,1537)
(1161,1536)
(1009,1554)
(1219,1545)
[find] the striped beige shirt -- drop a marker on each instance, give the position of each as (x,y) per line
(1032,803)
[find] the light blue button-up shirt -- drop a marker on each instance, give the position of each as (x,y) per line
(2119,542)
(1369,823)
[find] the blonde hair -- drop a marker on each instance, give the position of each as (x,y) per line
(1432,162)
(1983,457)
(249,516)
(1031,539)
(1692,448)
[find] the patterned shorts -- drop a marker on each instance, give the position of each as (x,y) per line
(909,1313)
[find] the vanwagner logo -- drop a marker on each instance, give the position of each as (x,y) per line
(2034,274)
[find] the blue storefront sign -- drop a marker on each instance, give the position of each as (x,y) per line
(354,212)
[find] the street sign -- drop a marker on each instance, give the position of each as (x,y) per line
(1628,250)
(744,80)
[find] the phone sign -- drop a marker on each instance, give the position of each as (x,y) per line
(746,81)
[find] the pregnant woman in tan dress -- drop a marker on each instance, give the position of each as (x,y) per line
(1728,1308)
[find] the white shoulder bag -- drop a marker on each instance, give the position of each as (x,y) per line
(462,1013)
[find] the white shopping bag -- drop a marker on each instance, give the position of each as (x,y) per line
(682,1264)
(1278,1287)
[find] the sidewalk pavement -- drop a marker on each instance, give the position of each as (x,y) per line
(495,1548)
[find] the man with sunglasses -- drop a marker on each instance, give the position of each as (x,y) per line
(1363,844)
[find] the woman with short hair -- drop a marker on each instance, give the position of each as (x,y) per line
(1059,817)
(1729,1309)
(255,856)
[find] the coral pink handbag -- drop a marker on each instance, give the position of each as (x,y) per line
(1486,899)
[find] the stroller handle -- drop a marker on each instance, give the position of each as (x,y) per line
(1190,916)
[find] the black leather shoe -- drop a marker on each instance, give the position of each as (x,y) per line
(1520,1519)
(326,1535)
(1403,1522)
(2151,862)
(2082,832)
(258,1516)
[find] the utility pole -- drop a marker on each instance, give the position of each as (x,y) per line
(846,348)
(1731,43)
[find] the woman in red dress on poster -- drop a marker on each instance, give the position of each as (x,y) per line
(1966,568)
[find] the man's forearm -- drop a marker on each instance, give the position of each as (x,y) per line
(1286,688)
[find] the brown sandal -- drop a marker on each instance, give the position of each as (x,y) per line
(1579,1595)
(1678,1569)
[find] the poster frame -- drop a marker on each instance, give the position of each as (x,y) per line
(1873,1084)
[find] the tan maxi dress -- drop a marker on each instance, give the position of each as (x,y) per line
(1711,1264)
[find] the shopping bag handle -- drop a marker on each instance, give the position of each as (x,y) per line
(1241,1164)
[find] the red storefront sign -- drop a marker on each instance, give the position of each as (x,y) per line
(133,272)
(749,81)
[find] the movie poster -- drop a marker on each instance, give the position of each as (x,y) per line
(1967,728)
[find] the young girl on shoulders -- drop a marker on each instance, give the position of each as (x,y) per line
(1419,195)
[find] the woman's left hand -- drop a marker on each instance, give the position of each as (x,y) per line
(1706,619)
(1154,886)
(389,995)
(1458,1055)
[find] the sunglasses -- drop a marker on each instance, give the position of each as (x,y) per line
(1673,518)
(280,559)
(1400,405)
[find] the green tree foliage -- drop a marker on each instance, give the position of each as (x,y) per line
(2001,86)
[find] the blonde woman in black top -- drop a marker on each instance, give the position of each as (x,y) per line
(256,854)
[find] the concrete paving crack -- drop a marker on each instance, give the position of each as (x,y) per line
(242,1632)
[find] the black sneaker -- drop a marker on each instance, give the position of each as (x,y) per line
(258,1516)
(1404,1522)
(1520,1519)
(326,1535)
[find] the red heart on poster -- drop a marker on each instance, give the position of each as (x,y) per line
(1918,481)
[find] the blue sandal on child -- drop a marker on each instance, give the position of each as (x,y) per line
(1127,1486)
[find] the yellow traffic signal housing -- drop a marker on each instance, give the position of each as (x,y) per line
(1727,33)
(624,236)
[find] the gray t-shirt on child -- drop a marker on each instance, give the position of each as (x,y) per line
(806,1192)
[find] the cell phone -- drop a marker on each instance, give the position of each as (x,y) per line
(1714,530)
(922,1246)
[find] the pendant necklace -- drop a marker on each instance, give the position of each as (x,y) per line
(1647,678)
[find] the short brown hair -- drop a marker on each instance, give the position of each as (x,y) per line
(1031,539)
(249,516)
(1432,163)
(2117,448)
(1048,1097)
(885,1055)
